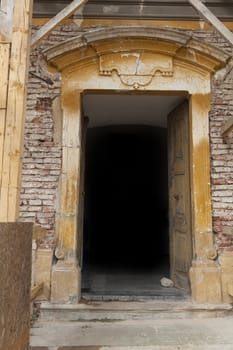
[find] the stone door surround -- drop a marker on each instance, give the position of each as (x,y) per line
(135,60)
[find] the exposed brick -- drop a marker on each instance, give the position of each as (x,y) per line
(42,157)
(43,104)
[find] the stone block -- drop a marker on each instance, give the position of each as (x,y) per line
(206,284)
(66,283)
(226,262)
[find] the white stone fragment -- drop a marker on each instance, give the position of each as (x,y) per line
(166,282)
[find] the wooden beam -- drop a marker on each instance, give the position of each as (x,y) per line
(227,127)
(212,19)
(4,70)
(4,64)
(2,136)
(6,19)
(15,111)
(51,24)
(5,5)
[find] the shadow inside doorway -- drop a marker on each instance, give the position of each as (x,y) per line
(126,239)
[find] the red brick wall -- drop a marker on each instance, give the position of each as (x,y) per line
(42,153)
(221,152)
(222,164)
(42,157)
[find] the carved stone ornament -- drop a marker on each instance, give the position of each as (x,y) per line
(136,68)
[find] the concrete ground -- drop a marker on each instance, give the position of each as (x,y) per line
(214,333)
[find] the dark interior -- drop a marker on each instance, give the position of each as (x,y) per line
(126,198)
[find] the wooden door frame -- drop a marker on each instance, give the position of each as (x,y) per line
(147,60)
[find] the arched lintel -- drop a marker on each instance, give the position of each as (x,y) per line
(109,40)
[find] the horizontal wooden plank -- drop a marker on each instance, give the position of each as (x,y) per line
(227,127)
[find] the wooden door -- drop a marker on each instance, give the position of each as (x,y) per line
(179,196)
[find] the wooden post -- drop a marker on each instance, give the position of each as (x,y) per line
(6,18)
(4,64)
(12,127)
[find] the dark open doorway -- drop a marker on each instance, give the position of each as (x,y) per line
(126,208)
(126,221)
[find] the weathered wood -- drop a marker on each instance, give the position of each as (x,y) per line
(3,36)
(4,69)
(4,5)
(15,276)
(2,128)
(63,14)
(212,19)
(227,127)
(4,64)
(36,290)
(13,137)
(6,18)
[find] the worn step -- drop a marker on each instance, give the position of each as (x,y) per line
(120,310)
(195,333)
(154,347)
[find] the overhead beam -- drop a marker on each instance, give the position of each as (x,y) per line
(51,24)
(212,19)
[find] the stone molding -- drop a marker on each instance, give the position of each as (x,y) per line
(150,60)
(99,42)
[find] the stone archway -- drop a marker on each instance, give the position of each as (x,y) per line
(135,59)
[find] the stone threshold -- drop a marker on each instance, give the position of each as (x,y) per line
(154,347)
(120,310)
